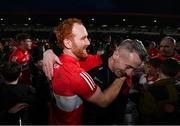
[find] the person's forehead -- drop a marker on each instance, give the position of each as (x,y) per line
(78,29)
(130,58)
(166,42)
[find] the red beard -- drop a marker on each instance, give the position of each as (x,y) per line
(79,53)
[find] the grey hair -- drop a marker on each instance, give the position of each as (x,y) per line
(135,46)
(171,39)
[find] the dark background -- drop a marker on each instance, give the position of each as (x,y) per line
(144,19)
(91,6)
(48,12)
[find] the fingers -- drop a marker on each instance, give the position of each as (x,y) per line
(22,105)
(46,71)
(18,107)
(122,78)
(50,70)
(48,61)
(57,60)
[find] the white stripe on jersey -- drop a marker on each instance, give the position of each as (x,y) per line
(88,79)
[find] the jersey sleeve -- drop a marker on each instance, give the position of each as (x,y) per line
(86,86)
(92,61)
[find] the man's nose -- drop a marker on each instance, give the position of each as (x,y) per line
(87,42)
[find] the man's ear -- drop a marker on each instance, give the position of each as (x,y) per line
(67,43)
(115,54)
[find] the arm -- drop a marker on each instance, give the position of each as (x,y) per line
(14,109)
(49,60)
(103,99)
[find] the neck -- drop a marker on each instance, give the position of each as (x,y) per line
(169,55)
(68,52)
(22,48)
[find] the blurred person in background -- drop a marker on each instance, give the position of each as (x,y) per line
(159,103)
(15,98)
(22,56)
(151,72)
(167,48)
(152,50)
(178,47)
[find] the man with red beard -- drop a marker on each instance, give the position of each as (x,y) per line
(71,83)
(21,56)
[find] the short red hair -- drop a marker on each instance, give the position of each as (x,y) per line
(64,30)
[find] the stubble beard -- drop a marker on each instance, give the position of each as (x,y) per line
(81,54)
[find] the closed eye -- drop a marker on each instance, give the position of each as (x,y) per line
(130,67)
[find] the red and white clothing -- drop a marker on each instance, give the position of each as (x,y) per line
(153,52)
(91,61)
(22,57)
(70,84)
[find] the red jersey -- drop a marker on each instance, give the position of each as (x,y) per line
(22,57)
(70,84)
(152,52)
(91,62)
(19,56)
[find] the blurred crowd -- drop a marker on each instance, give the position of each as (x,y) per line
(152,97)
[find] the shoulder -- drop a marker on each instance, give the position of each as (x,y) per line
(17,51)
(92,61)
